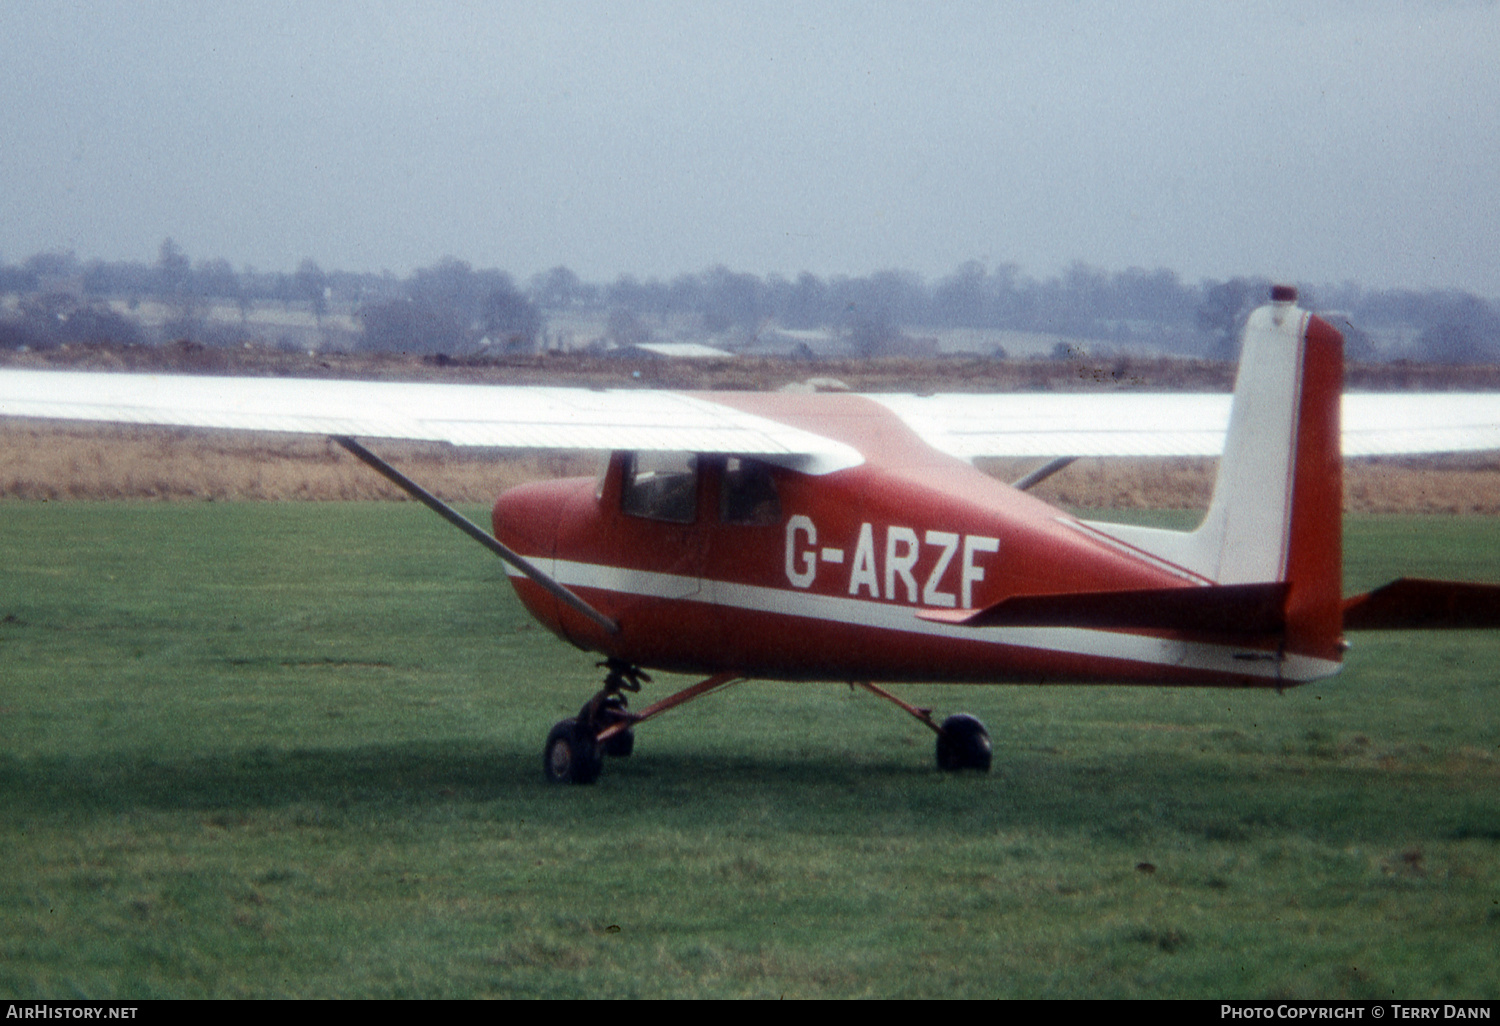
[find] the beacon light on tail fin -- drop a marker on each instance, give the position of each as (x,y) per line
(824,537)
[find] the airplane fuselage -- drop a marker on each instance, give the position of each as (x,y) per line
(724,564)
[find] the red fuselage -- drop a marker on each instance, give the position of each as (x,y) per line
(828,584)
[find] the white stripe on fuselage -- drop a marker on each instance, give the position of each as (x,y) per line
(1188,655)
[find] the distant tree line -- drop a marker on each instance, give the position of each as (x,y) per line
(453,308)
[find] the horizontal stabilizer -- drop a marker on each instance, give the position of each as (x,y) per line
(1414,604)
(1230,609)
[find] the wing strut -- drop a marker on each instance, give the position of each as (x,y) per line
(476,532)
(1043,472)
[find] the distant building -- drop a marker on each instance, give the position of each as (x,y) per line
(668,351)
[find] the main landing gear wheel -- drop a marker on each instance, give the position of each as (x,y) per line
(963,743)
(572,755)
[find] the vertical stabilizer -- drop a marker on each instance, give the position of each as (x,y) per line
(1276,512)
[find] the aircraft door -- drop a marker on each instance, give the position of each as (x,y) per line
(634,548)
(745,559)
(658,528)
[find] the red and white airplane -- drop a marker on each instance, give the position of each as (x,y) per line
(825,537)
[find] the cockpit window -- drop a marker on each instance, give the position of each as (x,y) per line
(748,494)
(661,486)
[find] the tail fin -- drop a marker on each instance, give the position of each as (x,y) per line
(1276,512)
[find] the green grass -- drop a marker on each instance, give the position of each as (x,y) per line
(295,750)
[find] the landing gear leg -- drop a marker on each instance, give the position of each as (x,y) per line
(962,740)
(610,708)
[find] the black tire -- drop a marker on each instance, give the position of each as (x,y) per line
(571,756)
(963,744)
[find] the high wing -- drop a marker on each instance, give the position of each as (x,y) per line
(499,416)
(508,416)
(1182,424)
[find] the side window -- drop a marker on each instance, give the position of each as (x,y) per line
(748,494)
(661,486)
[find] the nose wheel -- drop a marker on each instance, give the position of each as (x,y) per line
(572,755)
(576,747)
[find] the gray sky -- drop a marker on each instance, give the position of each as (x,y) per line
(1323,141)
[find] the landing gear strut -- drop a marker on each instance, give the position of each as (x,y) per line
(608,708)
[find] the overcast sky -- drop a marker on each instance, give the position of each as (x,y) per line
(1314,141)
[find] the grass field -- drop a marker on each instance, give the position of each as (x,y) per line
(294,749)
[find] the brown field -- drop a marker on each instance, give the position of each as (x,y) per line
(45,461)
(1450,484)
(40,461)
(50,461)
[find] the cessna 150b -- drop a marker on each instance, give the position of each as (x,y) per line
(846,538)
